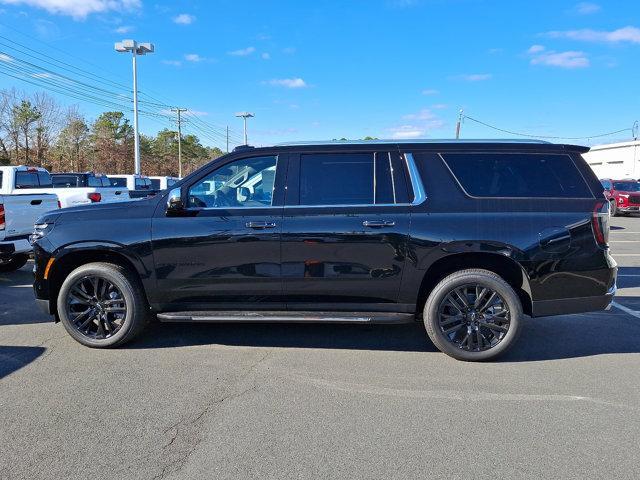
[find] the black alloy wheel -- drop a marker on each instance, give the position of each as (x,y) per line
(96,307)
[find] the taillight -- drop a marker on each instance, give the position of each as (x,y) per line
(2,217)
(600,222)
(95,197)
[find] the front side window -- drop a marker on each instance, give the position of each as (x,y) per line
(94,182)
(142,184)
(246,183)
(517,175)
(155,184)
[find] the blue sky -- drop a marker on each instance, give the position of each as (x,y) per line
(330,69)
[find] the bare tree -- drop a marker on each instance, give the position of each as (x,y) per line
(24,116)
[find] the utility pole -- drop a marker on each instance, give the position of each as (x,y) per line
(227,138)
(179,110)
(458,124)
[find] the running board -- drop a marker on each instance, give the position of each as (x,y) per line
(287,316)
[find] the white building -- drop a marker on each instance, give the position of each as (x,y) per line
(615,160)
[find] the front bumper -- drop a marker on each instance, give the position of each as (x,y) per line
(629,208)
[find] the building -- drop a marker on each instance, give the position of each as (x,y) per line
(615,160)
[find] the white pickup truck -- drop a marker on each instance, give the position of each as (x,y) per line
(18,212)
(139,185)
(82,188)
(72,189)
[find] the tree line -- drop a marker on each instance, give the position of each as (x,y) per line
(37,131)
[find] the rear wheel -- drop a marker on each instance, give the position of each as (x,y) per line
(614,208)
(14,263)
(102,305)
(473,315)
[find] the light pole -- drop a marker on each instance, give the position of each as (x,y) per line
(244,116)
(136,49)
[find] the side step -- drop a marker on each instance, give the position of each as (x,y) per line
(287,316)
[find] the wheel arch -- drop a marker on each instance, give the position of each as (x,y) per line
(504,266)
(76,255)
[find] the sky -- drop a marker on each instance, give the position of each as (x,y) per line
(324,69)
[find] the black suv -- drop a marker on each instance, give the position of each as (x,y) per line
(466,236)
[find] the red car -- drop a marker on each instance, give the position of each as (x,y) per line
(624,195)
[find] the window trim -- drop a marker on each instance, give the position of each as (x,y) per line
(464,191)
(415,181)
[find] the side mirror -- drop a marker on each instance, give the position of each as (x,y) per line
(174,201)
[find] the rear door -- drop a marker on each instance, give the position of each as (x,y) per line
(344,231)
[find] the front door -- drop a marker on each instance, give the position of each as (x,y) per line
(223,250)
(344,231)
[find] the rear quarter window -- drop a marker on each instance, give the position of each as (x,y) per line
(118,181)
(517,175)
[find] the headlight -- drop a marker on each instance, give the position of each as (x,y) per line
(623,195)
(39,231)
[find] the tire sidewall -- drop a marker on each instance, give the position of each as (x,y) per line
(113,275)
(431,314)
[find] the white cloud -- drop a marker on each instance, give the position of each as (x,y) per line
(266,56)
(5,58)
(289,50)
(404,132)
(184,19)
(430,91)
(570,59)
(439,106)
(124,29)
(587,8)
(173,63)
(78,9)
(474,77)
(288,82)
(243,52)
(424,114)
(42,75)
(193,57)
(626,34)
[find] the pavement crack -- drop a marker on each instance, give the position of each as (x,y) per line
(185,433)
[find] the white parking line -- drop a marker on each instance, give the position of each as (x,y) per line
(20,286)
(626,309)
(629,275)
(624,241)
(626,254)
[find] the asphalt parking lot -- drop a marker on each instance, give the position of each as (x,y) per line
(316,401)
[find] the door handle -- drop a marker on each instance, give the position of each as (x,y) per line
(36,202)
(260,225)
(378,223)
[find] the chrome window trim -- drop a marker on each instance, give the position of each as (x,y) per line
(419,194)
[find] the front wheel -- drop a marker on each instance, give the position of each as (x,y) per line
(14,263)
(102,305)
(473,315)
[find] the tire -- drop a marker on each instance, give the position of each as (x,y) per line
(614,208)
(492,339)
(15,263)
(105,290)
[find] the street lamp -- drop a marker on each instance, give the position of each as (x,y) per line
(136,49)
(244,116)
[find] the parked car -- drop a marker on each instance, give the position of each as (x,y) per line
(139,186)
(84,188)
(467,237)
(163,183)
(19,209)
(624,195)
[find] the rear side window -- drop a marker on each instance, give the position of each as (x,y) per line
(155,184)
(65,181)
(105,181)
(351,179)
(118,181)
(517,175)
(27,180)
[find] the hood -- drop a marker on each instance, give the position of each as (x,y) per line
(143,208)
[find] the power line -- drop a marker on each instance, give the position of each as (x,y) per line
(519,134)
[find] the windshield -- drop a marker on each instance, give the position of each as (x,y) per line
(627,186)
